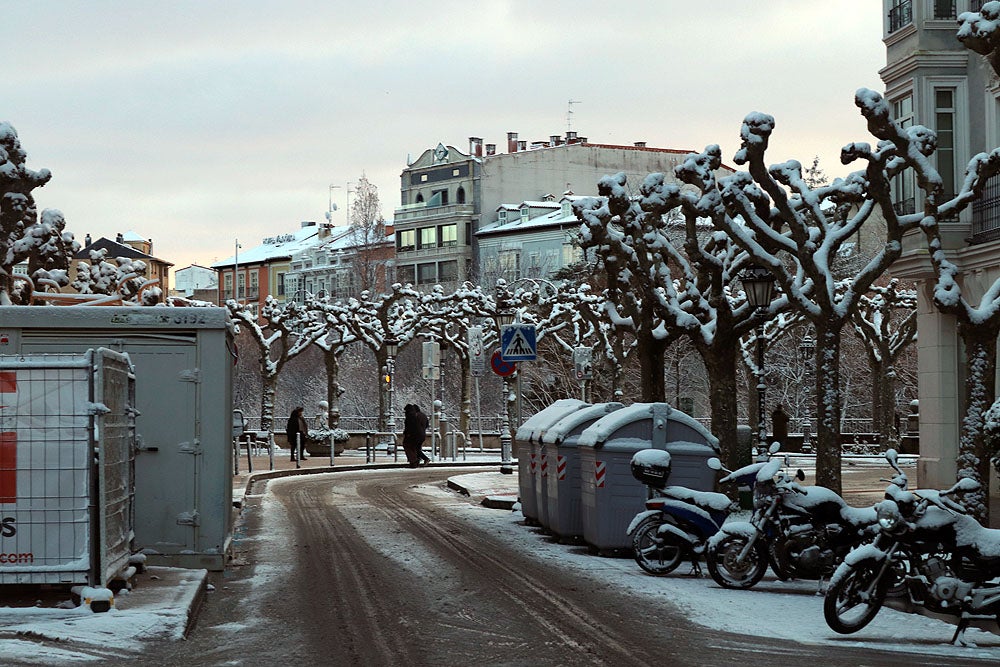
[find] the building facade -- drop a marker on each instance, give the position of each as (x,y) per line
(932,80)
(447,196)
(129,245)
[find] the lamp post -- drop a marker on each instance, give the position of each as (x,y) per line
(758,284)
(391,348)
(505,315)
(807,348)
(236,268)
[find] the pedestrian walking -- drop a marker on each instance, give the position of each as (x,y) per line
(414,432)
(779,425)
(296,430)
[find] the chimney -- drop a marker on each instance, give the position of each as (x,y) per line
(86,241)
(570,137)
(554,140)
(522,145)
(491,149)
(475,146)
(119,238)
(308,223)
(512,142)
(640,144)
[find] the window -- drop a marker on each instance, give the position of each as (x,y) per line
(405,274)
(426,273)
(438,198)
(281,284)
(428,238)
(254,285)
(510,264)
(944,120)
(406,240)
(420,198)
(944,9)
(460,194)
(456,172)
(903,186)
(423,178)
(502,215)
(241,285)
(900,14)
(227,286)
(534,269)
(448,236)
(524,214)
(448,271)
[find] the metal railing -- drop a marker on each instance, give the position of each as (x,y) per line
(900,14)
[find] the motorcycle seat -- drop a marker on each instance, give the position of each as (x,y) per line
(708,500)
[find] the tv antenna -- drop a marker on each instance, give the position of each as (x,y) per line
(569,113)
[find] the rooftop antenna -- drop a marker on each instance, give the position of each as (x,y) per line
(569,113)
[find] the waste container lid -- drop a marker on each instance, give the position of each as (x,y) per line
(598,433)
(532,427)
(557,432)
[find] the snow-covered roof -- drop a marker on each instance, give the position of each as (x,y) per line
(133,236)
(116,249)
(282,246)
(552,219)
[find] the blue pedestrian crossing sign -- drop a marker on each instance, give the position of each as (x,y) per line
(517,342)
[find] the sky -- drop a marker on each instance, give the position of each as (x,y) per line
(793,607)
(200,125)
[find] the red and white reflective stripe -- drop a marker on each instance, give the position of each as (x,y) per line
(599,469)
(531,464)
(8,439)
(545,465)
(560,467)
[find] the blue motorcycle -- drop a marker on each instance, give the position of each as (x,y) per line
(677,521)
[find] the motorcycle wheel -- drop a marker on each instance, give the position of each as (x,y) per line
(729,571)
(848,606)
(779,563)
(656,554)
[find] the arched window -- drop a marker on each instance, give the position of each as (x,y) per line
(420,198)
(460,195)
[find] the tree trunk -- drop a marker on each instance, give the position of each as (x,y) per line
(980,387)
(465,400)
(828,458)
(332,386)
(888,434)
(268,391)
(720,363)
(650,351)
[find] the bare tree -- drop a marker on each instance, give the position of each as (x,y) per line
(368,236)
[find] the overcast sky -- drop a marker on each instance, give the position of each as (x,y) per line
(199,123)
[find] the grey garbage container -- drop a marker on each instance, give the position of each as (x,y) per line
(610,497)
(560,445)
(526,442)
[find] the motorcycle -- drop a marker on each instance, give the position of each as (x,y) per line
(677,521)
(801,532)
(929,553)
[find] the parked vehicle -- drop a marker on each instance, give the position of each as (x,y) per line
(801,532)
(929,552)
(677,521)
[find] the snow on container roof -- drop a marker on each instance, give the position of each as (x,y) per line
(115,317)
(556,433)
(531,429)
(667,425)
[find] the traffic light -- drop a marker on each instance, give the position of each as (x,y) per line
(387,380)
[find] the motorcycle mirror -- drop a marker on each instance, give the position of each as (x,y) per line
(714,463)
(801,476)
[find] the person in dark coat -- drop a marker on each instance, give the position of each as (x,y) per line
(414,432)
(296,430)
(779,425)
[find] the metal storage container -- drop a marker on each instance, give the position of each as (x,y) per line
(560,443)
(183,359)
(67,446)
(526,441)
(610,495)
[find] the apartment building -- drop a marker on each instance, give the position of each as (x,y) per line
(932,80)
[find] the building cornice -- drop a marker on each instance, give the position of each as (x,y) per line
(924,59)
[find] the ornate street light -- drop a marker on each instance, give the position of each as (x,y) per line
(807,350)
(505,315)
(758,285)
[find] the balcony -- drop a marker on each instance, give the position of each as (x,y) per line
(412,213)
(986,213)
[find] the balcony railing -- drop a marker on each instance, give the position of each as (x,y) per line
(986,213)
(422,211)
(900,14)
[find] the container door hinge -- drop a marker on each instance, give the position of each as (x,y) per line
(191,518)
(193,447)
(190,375)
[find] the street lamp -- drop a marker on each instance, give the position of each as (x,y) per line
(758,284)
(807,348)
(391,348)
(504,315)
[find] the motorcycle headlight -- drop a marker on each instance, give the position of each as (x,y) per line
(889,518)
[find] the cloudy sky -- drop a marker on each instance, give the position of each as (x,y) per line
(196,124)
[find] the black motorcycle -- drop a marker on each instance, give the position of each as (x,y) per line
(930,553)
(801,532)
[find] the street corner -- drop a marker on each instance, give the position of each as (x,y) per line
(492,489)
